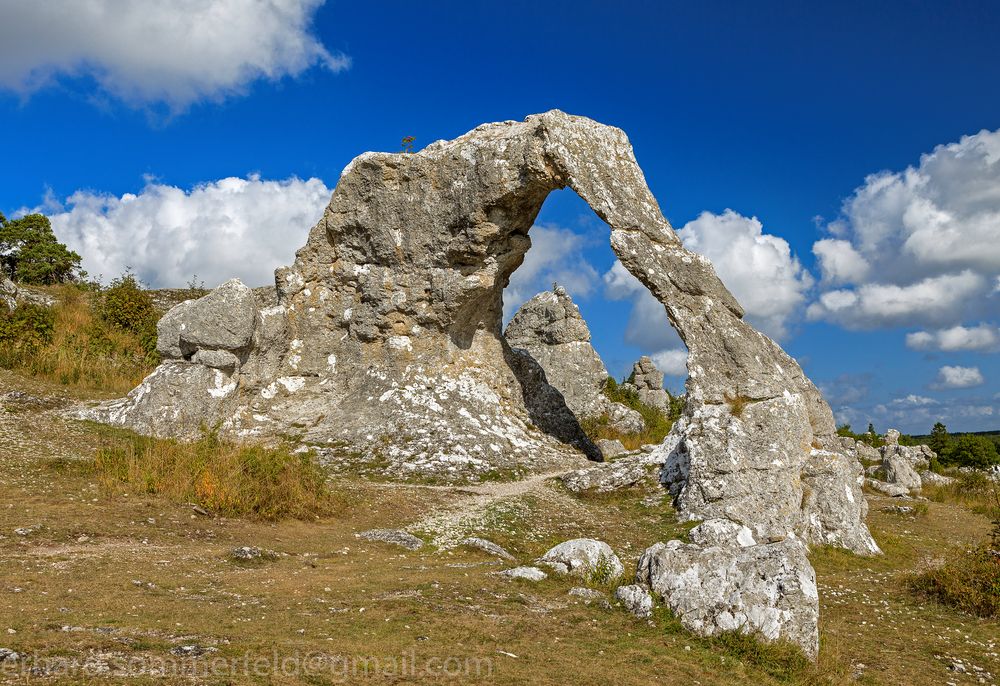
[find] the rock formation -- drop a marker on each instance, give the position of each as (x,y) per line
(551,330)
(647,380)
(386,342)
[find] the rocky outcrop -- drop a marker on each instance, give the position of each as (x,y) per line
(550,329)
(647,380)
(386,339)
(897,470)
(726,581)
(917,456)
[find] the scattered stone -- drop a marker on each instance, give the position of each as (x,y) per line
(587,594)
(610,448)
(486,546)
(394,536)
(8,655)
(584,557)
(891,490)
(192,650)
(526,573)
(767,589)
(636,600)
(935,479)
(27,530)
(247,553)
(898,509)
(612,476)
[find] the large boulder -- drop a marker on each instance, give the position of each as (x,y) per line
(583,557)
(729,582)
(550,328)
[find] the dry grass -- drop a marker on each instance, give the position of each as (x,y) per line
(120,582)
(83,351)
(969,581)
(238,480)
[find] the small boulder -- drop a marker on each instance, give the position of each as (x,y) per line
(526,573)
(891,490)
(610,448)
(636,599)
(393,536)
(935,479)
(8,655)
(222,320)
(486,546)
(584,557)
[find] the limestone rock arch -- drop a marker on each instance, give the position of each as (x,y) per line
(387,337)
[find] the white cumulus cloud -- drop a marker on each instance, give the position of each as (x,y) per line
(672,362)
(918,247)
(759,268)
(170,51)
(958,377)
(981,338)
(217,230)
(933,300)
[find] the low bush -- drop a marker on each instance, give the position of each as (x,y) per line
(24,331)
(232,479)
(968,581)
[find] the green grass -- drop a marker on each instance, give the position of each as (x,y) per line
(656,423)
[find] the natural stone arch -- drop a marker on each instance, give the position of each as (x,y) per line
(387,334)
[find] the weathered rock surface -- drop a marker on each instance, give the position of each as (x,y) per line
(386,337)
(393,536)
(612,476)
(647,380)
(929,477)
(834,502)
(486,546)
(549,327)
(896,470)
(526,573)
(765,589)
(891,490)
(918,456)
(583,557)
(636,599)
(610,448)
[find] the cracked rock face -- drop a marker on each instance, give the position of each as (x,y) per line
(386,339)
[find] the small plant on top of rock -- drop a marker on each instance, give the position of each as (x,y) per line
(737,403)
(603,572)
(407,143)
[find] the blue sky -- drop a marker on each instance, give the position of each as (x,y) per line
(181,141)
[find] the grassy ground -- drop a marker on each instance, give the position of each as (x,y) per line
(113,582)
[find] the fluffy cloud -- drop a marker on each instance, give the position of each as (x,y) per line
(555,256)
(231,227)
(958,377)
(671,362)
(913,400)
(981,338)
(648,327)
(933,300)
(758,268)
(172,51)
(919,246)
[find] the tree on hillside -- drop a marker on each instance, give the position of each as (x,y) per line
(31,254)
(871,429)
(968,450)
(939,439)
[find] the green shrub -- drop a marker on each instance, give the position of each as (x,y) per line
(24,331)
(126,306)
(969,581)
